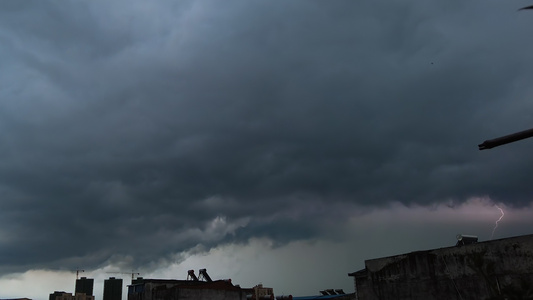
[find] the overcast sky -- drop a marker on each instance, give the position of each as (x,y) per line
(281,142)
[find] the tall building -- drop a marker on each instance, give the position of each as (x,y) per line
(85,285)
(113,289)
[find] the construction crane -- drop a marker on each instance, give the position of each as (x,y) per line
(132,273)
(78,273)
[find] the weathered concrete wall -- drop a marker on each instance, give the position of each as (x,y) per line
(155,289)
(496,269)
(197,294)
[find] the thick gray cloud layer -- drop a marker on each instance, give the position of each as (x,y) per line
(133,131)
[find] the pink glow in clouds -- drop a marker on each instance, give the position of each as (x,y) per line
(341,247)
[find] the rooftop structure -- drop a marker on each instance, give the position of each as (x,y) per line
(320,297)
(496,269)
(167,289)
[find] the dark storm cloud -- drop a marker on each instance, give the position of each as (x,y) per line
(142,130)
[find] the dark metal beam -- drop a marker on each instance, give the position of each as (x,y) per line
(488,144)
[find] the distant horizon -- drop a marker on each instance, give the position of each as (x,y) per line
(421,242)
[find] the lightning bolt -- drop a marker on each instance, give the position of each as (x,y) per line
(496,225)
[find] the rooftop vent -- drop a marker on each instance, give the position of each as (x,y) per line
(331,292)
(463,239)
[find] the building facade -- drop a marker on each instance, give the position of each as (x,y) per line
(261,292)
(171,289)
(498,269)
(113,289)
(68,296)
(60,296)
(85,286)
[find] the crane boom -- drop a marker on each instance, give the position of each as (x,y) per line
(78,273)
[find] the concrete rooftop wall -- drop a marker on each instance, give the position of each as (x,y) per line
(486,270)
